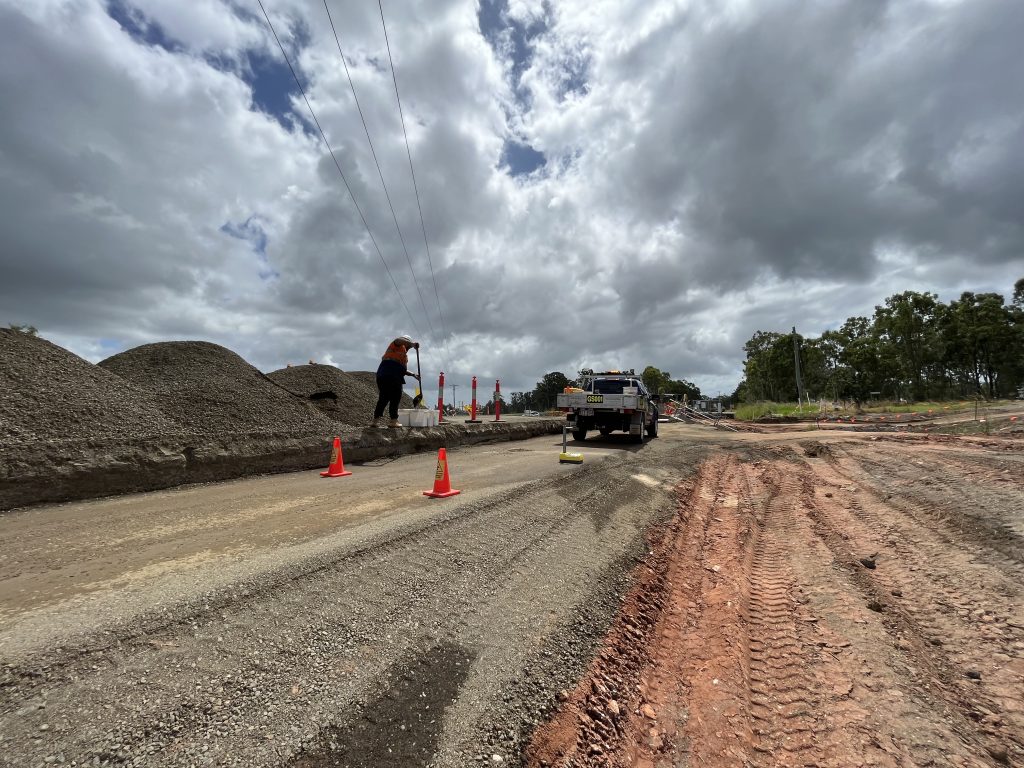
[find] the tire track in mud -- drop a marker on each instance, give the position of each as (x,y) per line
(783,698)
(973,493)
(610,718)
(765,642)
(720,676)
(919,559)
(926,557)
(934,496)
(944,637)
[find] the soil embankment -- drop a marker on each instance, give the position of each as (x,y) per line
(171,413)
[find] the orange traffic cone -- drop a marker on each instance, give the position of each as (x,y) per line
(442,483)
(337,468)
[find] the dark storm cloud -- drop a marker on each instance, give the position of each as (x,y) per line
(806,136)
(712,168)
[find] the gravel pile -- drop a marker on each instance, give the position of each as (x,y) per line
(211,390)
(338,395)
(48,393)
(369,378)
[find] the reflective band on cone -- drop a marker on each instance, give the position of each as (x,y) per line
(337,466)
(442,481)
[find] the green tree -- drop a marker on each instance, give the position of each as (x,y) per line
(680,387)
(914,346)
(985,338)
(863,365)
(31,330)
(548,388)
(768,369)
(655,380)
(908,324)
(833,374)
(521,401)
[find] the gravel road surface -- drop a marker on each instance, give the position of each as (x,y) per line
(294,620)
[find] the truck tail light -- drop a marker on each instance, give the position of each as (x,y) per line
(627,410)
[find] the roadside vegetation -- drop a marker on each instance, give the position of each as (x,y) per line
(753,411)
(914,352)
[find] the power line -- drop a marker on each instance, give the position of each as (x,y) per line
(415,187)
(338,166)
(380,173)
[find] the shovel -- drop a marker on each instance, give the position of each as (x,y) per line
(419,382)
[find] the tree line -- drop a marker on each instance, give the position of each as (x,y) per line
(914,347)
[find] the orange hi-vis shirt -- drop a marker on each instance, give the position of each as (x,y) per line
(398,353)
(395,361)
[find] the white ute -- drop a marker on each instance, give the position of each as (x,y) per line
(611,401)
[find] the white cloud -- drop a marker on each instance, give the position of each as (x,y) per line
(713,169)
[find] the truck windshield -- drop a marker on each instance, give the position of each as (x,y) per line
(610,386)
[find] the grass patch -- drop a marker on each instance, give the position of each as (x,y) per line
(753,411)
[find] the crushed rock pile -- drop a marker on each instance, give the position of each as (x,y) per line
(338,395)
(369,378)
(211,390)
(48,393)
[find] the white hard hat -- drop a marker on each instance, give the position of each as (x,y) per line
(407,339)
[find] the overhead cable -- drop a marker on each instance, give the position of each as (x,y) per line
(338,165)
(376,162)
(415,187)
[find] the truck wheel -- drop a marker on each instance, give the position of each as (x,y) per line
(605,431)
(652,428)
(579,435)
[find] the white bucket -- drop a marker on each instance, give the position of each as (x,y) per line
(417,417)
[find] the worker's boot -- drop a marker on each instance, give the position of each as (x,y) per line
(393,424)
(374,423)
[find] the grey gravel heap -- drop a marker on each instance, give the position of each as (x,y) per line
(338,395)
(48,393)
(211,390)
(369,378)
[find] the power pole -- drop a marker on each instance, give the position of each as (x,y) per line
(454,404)
(796,360)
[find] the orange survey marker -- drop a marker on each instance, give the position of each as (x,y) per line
(337,468)
(442,482)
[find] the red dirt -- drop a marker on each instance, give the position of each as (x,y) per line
(826,603)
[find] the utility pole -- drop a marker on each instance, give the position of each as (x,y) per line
(454,404)
(796,360)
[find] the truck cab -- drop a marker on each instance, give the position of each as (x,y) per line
(609,402)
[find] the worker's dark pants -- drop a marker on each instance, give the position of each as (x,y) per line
(390,388)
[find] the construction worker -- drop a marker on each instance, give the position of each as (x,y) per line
(391,373)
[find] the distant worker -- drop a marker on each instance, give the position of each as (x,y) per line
(391,373)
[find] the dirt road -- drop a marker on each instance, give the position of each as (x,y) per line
(818,603)
(705,599)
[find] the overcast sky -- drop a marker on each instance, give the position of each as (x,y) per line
(603,182)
